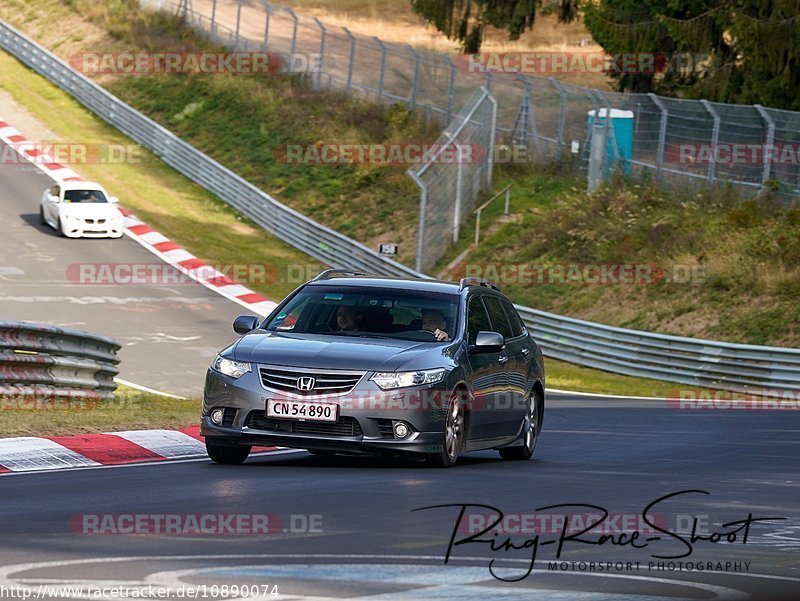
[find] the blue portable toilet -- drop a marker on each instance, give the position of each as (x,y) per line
(619,147)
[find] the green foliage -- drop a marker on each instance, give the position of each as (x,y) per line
(739,51)
(466,20)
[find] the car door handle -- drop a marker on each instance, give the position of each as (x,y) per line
(503,360)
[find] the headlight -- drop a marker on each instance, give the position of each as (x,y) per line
(234,369)
(388,380)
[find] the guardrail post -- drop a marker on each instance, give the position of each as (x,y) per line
(712,165)
(562,113)
(322,38)
(662,133)
(294,40)
(768,144)
(412,102)
(350,65)
(383,68)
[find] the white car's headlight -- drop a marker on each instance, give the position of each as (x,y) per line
(234,369)
(401,379)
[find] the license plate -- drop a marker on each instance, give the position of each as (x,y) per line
(317,412)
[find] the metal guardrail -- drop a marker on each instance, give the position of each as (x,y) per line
(672,358)
(49,362)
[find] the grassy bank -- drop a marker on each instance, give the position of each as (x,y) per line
(130,410)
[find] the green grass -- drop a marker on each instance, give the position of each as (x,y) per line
(130,410)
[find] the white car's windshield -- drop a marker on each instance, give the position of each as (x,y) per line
(84,196)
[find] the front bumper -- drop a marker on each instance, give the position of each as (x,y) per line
(370,411)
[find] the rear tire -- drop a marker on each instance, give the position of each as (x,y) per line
(227,455)
(530,433)
(452,435)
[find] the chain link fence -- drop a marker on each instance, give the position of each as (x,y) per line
(675,140)
(451,180)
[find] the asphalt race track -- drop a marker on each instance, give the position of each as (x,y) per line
(168,334)
(346,527)
(357,537)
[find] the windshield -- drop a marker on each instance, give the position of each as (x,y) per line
(369,312)
(84,196)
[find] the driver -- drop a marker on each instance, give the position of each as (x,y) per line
(433,321)
(347,318)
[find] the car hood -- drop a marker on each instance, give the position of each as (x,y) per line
(94,210)
(334,352)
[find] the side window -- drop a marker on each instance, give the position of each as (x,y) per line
(516,323)
(477,319)
(498,316)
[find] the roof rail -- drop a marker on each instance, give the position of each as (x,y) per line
(329,273)
(475,281)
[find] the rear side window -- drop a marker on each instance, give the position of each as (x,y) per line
(516,323)
(477,319)
(499,318)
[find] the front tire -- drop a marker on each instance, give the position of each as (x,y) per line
(452,436)
(60,228)
(530,431)
(41,216)
(227,455)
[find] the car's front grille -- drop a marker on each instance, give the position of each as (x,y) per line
(345,426)
(322,382)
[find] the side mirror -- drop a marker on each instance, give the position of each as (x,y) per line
(489,342)
(244,324)
(113,200)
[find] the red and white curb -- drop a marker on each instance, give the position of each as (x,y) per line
(35,454)
(139,231)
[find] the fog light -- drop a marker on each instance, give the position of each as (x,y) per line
(400,430)
(217,416)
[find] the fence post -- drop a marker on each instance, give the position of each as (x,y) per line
(662,133)
(352,39)
(322,37)
(769,142)
(294,40)
(213,30)
(492,135)
(451,90)
(712,165)
(562,113)
(383,68)
(268,8)
(423,203)
(412,102)
(238,21)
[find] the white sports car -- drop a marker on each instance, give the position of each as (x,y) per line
(81,209)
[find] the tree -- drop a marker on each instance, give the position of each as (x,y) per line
(466,20)
(739,51)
